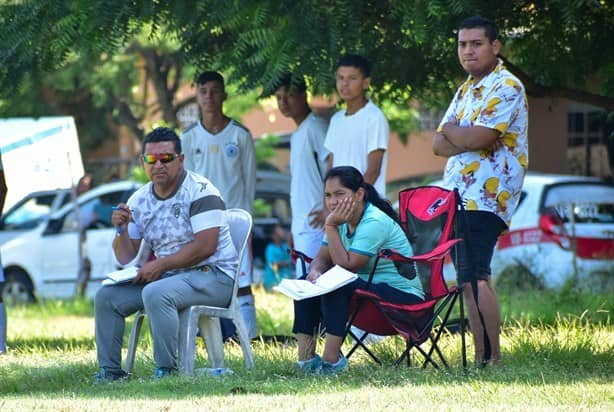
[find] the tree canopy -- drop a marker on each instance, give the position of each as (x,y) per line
(558,48)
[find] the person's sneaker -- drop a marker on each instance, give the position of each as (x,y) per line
(312,365)
(370,339)
(162,372)
(104,376)
(334,368)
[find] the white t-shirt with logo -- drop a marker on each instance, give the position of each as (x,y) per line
(227,159)
(169,224)
(351,138)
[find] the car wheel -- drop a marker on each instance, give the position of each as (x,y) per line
(517,278)
(17,288)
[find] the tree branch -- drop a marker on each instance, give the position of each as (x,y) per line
(128,118)
(182,103)
(535,89)
(159,76)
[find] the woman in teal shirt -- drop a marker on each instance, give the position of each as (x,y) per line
(360,223)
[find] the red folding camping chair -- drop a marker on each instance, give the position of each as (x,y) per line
(427,215)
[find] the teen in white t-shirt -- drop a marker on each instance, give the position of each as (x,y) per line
(351,138)
(358,136)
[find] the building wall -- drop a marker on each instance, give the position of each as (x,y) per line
(413,159)
(548,135)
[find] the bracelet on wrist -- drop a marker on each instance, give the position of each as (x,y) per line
(331,225)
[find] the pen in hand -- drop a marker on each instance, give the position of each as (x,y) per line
(119,228)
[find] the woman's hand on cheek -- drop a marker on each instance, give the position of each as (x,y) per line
(346,208)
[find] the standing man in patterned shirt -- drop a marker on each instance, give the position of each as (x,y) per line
(222,149)
(308,166)
(484,137)
(182,216)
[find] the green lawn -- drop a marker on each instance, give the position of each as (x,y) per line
(558,355)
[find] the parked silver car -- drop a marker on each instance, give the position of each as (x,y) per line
(42,258)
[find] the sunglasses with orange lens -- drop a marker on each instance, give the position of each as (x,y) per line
(151,159)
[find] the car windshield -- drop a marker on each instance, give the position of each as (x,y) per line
(590,202)
(30,213)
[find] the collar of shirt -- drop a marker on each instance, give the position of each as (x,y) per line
(486,82)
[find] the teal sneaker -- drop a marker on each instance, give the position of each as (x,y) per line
(105,376)
(334,368)
(312,365)
(162,372)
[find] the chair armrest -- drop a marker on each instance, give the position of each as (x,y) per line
(295,254)
(439,252)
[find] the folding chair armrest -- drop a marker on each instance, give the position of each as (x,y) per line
(295,254)
(298,256)
(439,252)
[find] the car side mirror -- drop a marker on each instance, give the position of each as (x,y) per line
(54,226)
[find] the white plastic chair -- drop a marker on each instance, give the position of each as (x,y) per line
(206,318)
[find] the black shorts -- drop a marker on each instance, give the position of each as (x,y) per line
(472,256)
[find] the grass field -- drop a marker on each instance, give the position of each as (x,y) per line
(558,352)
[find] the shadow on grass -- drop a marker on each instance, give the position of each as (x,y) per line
(525,360)
(539,347)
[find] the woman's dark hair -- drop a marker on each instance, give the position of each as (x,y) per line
(351,178)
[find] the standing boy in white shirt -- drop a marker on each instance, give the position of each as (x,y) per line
(358,135)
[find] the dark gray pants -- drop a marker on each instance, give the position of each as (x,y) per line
(162,300)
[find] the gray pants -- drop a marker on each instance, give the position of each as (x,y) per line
(162,300)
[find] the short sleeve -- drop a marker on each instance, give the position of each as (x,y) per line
(134,231)
(449,115)
(367,239)
(207,212)
(379,133)
(317,136)
(501,105)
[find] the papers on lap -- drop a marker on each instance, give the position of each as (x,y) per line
(121,276)
(330,280)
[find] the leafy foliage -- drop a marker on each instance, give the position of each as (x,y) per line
(560,48)
(264,148)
